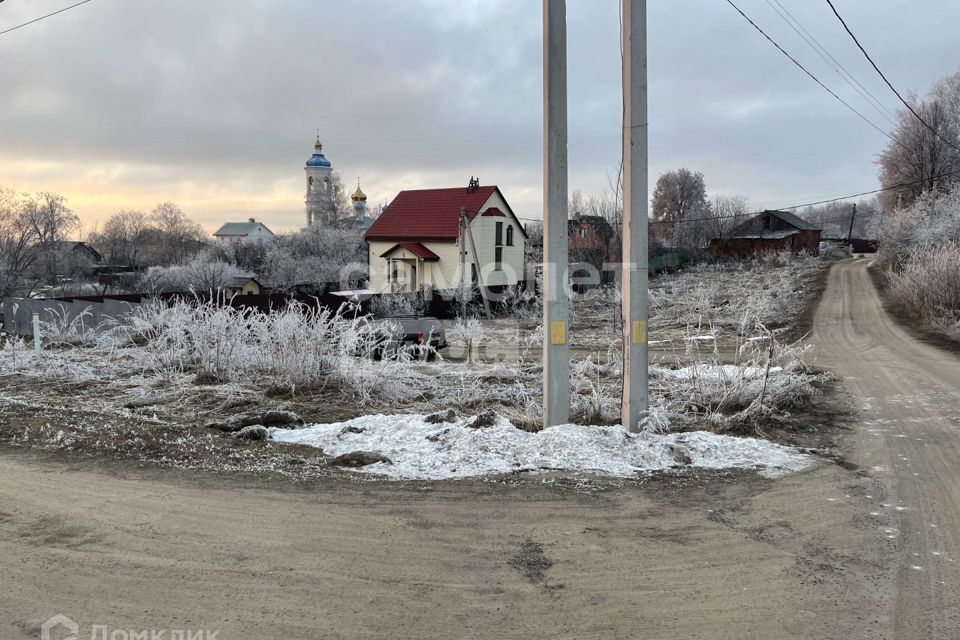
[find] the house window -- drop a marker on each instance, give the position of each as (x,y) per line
(510,236)
(498,258)
(499,236)
(583,232)
(766,222)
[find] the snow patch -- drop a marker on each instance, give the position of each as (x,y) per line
(420,450)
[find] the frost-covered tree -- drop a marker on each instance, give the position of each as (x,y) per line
(920,248)
(204,274)
(917,157)
(679,195)
(315,258)
(834,218)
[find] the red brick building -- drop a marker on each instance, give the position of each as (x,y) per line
(768,232)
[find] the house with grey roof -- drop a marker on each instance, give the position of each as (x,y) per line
(768,232)
(249,231)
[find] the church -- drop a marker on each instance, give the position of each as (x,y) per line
(321,200)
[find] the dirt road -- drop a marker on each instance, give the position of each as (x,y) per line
(813,555)
(910,395)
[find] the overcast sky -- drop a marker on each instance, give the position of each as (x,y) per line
(214,104)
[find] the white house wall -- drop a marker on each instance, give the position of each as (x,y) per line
(445,273)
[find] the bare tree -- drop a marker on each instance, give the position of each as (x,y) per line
(124,237)
(50,221)
(917,157)
(48,217)
(179,236)
(679,195)
(727,212)
(18,249)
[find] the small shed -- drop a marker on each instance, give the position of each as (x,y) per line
(768,232)
(242,286)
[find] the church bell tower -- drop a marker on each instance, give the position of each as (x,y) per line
(318,199)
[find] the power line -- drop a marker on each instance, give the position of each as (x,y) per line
(812,77)
(834,64)
(794,206)
(889,84)
(810,204)
(20,26)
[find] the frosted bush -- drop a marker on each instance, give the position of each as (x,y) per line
(61,328)
(928,284)
(920,250)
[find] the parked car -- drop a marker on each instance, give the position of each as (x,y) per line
(419,336)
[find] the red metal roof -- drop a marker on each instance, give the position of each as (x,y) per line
(493,211)
(416,249)
(428,214)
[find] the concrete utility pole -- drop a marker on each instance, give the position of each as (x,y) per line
(852,216)
(556,304)
(634,403)
(476,264)
(463,263)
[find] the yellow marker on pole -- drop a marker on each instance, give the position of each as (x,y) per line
(558,332)
(639,332)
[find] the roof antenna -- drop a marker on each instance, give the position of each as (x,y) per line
(473,185)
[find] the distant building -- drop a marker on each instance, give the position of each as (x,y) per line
(65,259)
(416,242)
(362,219)
(249,231)
(322,196)
(81,250)
(241,286)
(319,196)
(590,240)
(768,232)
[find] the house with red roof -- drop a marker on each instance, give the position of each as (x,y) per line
(416,242)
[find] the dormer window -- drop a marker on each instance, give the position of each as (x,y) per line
(766,222)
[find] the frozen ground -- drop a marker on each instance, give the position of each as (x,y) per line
(149,392)
(708,308)
(421,450)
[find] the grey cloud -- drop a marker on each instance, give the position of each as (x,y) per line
(232,91)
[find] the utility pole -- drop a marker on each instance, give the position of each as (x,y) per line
(634,402)
(852,216)
(556,304)
(476,264)
(463,263)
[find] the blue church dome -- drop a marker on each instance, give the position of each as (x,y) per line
(318,159)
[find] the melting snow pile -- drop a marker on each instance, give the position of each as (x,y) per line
(420,450)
